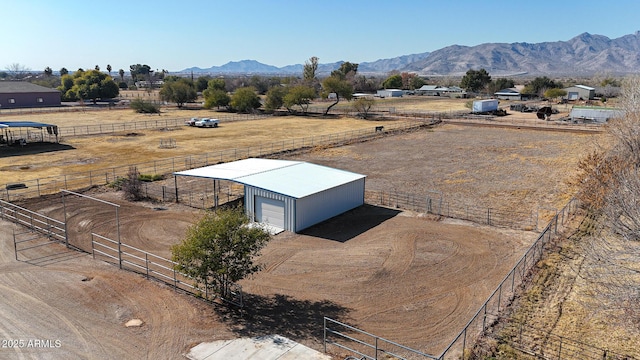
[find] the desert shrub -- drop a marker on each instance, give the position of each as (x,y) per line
(117,183)
(150,177)
(144,107)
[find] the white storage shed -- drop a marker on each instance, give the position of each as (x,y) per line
(384,93)
(289,195)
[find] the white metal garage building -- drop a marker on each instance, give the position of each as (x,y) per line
(289,195)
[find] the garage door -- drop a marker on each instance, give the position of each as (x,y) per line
(270,211)
(573,96)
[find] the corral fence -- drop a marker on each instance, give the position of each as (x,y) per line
(77,181)
(132,126)
(53,229)
(366,345)
(435,203)
(488,313)
(157,268)
(551,346)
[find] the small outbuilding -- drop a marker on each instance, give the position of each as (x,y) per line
(594,114)
(508,94)
(384,93)
(289,195)
(578,92)
(22,94)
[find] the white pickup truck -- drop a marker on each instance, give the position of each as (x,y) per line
(206,122)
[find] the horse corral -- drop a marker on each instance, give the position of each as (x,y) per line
(402,275)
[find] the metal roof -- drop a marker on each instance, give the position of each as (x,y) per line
(295,179)
(4,124)
(585,87)
(508,91)
(13,87)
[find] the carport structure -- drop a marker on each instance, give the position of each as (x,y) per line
(288,195)
(21,132)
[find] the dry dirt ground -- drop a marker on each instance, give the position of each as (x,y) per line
(399,275)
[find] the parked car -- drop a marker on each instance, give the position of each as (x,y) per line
(191,122)
(206,122)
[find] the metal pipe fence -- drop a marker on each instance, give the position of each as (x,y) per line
(157,268)
(98,129)
(77,181)
(366,345)
(435,203)
(51,228)
(489,312)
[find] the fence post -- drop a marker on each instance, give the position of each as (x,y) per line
(560,349)
(175,281)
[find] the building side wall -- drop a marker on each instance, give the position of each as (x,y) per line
(27,100)
(329,203)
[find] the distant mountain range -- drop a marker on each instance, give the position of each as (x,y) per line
(585,54)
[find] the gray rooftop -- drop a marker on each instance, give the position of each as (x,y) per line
(13,87)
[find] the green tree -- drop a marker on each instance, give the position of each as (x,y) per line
(245,100)
(144,107)
(180,92)
(393,82)
(63,71)
(539,85)
(216,98)
(48,72)
(220,250)
(94,85)
(121,73)
(109,68)
(348,69)
(97,68)
(300,95)
(475,80)
(555,93)
(259,83)
(416,82)
(202,83)
(362,105)
(140,72)
(500,84)
(335,84)
(275,98)
(217,84)
(66,83)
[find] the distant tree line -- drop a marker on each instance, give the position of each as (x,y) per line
(292,94)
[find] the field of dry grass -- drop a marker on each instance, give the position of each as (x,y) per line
(91,153)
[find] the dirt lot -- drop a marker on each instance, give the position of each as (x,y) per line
(396,274)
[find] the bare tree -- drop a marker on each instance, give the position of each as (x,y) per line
(611,264)
(132,186)
(310,69)
(18,71)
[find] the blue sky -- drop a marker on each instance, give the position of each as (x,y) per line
(175,35)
